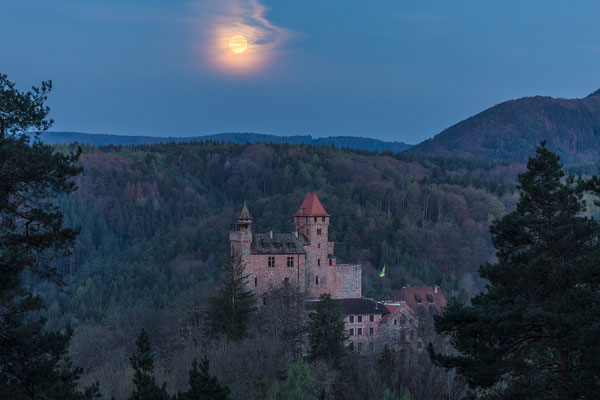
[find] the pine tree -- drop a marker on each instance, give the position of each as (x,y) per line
(534,333)
(326,330)
(298,380)
(203,386)
(142,362)
(33,362)
(234,303)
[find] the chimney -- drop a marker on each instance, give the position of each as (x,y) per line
(435,289)
(271,234)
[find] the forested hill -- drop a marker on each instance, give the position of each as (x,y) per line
(512,130)
(350,142)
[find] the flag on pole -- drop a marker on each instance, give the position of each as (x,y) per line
(382,273)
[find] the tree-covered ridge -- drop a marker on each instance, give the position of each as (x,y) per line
(351,142)
(512,130)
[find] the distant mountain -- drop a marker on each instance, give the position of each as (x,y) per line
(512,130)
(351,142)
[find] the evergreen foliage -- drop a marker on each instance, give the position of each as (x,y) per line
(33,361)
(297,382)
(203,386)
(142,362)
(534,333)
(326,331)
(234,303)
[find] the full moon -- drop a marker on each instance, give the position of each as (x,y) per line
(238,44)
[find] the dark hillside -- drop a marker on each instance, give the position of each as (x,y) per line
(512,130)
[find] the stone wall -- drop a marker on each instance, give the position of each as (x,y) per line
(348,281)
(263,278)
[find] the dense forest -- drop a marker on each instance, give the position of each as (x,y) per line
(154,230)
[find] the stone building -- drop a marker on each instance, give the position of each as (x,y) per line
(304,258)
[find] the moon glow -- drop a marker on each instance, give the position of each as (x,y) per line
(238,44)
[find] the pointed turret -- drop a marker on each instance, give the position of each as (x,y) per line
(311,207)
(244,221)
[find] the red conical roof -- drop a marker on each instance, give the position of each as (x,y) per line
(245,214)
(311,207)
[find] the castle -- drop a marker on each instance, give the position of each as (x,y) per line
(304,258)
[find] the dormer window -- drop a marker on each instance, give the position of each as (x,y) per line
(430,298)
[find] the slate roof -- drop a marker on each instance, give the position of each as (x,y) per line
(311,207)
(354,306)
(280,243)
(426,297)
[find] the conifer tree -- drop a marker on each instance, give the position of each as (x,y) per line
(534,333)
(203,386)
(33,362)
(326,330)
(142,362)
(234,303)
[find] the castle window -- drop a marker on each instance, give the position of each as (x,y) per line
(359,319)
(315,219)
(271,262)
(331,261)
(255,281)
(430,298)
(403,319)
(319,262)
(291,245)
(318,245)
(317,280)
(359,347)
(359,331)
(323,219)
(318,231)
(352,319)
(351,332)
(371,331)
(351,346)
(371,318)
(286,281)
(290,261)
(395,322)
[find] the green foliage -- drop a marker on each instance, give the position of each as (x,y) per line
(33,361)
(326,331)
(234,303)
(202,385)
(142,362)
(534,333)
(297,382)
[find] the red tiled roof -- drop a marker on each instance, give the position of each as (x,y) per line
(392,309)
(311,207)
(245,214)
(422,296)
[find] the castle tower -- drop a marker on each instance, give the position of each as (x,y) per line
(312,221)
(241,236)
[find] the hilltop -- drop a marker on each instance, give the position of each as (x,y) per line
(511,131)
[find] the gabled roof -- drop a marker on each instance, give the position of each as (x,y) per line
(277,243)
(245,214)
(354,306)
(427,297)
(311,207)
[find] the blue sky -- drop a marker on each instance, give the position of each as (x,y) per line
(393,70)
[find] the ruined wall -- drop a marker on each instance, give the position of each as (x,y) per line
(348,281)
